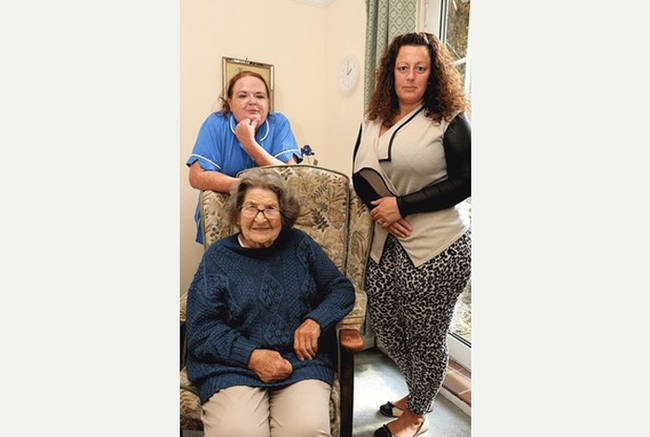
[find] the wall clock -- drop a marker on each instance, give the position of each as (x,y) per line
(348,75)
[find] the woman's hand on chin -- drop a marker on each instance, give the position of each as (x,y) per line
(245,132)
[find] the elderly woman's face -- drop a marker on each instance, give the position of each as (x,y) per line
(249,100)
(259,218)
(412,70)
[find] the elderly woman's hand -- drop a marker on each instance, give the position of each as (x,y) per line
(305,340)
(269,365)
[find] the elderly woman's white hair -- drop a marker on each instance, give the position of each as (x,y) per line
(269,179)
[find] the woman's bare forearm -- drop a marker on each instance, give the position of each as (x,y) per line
(210,180)
(261,156)
(202,179)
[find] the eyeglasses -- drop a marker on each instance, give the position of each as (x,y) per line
(250,211)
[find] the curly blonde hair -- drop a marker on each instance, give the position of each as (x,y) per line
(444,95)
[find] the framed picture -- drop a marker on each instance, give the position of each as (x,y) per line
(232,66)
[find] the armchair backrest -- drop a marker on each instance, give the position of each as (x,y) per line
(324,196)
(331,213)
(325,208)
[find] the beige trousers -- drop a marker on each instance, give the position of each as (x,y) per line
(298,410)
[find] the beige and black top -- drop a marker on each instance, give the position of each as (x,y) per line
(427,168)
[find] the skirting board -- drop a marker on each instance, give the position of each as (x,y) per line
(456,401)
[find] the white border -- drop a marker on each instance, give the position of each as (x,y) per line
(90,110)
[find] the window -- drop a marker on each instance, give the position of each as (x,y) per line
(449,19)
(454,31)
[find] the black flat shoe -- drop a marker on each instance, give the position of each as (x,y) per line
(390,410)
(384,431)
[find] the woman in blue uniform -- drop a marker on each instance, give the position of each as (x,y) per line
(242,135)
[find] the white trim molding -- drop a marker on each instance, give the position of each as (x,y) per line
(429,13)
(459,351)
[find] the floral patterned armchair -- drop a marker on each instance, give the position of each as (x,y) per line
(333,215)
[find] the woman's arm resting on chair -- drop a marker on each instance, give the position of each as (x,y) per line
(202,179)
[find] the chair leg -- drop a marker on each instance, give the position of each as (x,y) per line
(347,391)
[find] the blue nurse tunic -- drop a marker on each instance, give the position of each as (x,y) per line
(218,149)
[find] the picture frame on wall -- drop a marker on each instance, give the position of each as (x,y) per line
(232,66)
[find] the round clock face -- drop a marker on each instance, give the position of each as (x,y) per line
(348,75)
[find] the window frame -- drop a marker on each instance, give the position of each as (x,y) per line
(432,17)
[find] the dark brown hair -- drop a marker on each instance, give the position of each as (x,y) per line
(225,107)
(444,95)
(269,179)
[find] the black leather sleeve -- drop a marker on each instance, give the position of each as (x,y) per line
(457,143)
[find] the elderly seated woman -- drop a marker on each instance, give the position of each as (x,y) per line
(261,320)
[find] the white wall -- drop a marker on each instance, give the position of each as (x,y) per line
(345,33)
(305,44)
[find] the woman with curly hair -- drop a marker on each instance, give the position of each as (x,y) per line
(412,168)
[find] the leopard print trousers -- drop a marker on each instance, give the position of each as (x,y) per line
(410,310)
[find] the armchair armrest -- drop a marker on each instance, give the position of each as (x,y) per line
(351,339)
(354,319)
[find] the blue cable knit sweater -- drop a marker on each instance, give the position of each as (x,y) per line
(243,299)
